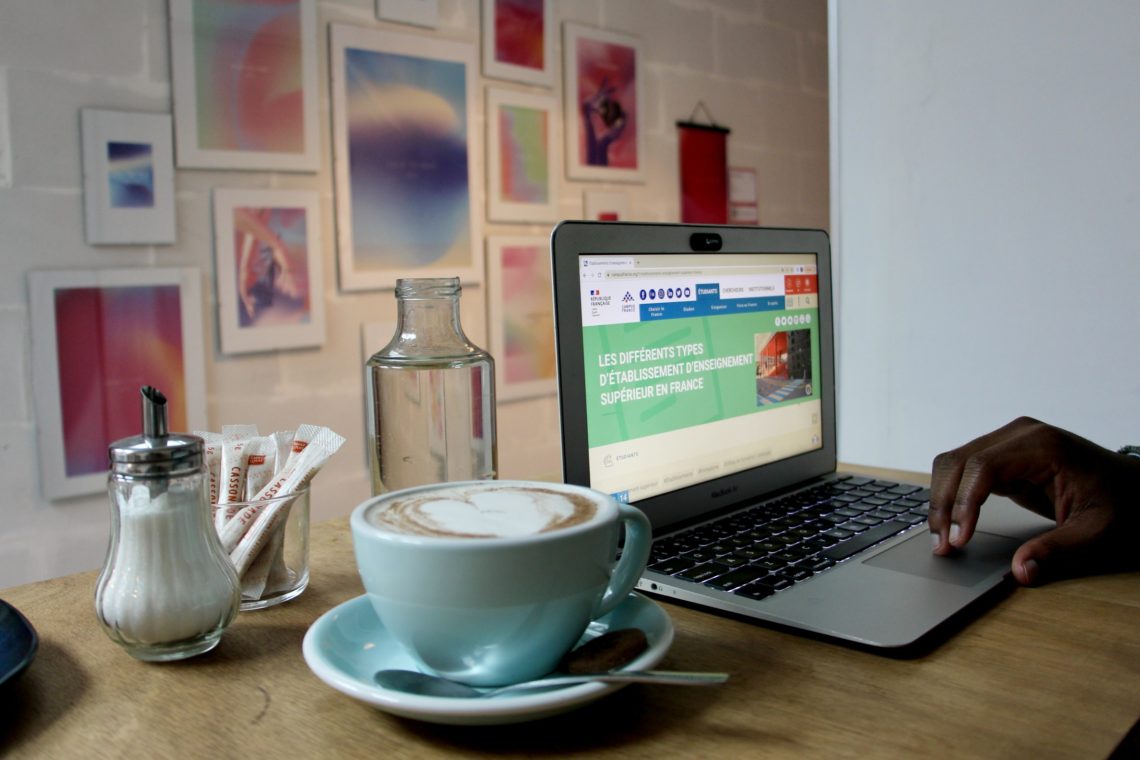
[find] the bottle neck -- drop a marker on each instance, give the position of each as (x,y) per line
(428,317)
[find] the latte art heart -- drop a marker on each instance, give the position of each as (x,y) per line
(488,512)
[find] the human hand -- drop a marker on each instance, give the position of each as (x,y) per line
(1092,493)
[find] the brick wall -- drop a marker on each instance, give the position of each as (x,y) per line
(760,67)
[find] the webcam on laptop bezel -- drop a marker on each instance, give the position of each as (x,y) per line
(705,241)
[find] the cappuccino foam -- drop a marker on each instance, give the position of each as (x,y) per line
(486,512)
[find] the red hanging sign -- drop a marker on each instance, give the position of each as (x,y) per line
(704,173)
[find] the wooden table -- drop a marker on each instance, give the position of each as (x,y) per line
(1047,672)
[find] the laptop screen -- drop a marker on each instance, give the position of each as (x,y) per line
(697,365)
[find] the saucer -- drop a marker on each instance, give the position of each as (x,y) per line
(18,642)
(347,645)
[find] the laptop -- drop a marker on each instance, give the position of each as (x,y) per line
(696,380)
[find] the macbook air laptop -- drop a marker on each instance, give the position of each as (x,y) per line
(696,380)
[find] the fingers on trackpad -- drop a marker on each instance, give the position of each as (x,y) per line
(985,556)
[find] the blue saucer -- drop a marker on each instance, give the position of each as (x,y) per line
(18,642)
(347,645)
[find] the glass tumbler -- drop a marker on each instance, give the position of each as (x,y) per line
(271,554)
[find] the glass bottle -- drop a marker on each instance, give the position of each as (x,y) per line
(167,590)
(430,393)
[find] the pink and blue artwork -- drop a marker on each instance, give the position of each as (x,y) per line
(130,175)
(248,63)
(110,342)
(519,34)
(407,160)
(271,266)
(523,151)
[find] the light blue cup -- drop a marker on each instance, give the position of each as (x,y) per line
(493,611)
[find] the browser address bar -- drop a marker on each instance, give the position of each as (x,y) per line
(619,274)
(625,274)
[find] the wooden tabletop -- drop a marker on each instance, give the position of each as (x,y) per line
(1045,672)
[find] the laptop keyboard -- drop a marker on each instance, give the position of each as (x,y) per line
(769,547)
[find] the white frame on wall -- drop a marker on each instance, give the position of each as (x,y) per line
(186,112)
(498,304)
(499,208)
(343,37)
(495,69)
(236,338)
(575,169)
(105,223)
(595,202)
(43,287)
(423,13)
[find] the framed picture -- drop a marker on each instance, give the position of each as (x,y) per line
(520,316)
(518,41)
(604,96)
(245,84)
(403,119)
(605,206)
(743,197)
(98,336)
(522,158)
(128,177)
(268,260)
(416,12)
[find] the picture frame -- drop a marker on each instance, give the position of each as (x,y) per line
(423,13)
(604,104)
(245,85)
(518,41)
(405,157)
(522,156)
(605,205)
(98,336)
(267,251)
(128,177)
(520,316)
(743,196)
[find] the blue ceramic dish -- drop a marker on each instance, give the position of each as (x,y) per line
(18,642)
(347,645)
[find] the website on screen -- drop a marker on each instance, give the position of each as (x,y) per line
(697,366)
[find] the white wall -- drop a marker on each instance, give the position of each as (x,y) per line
(760,66)
(986,194)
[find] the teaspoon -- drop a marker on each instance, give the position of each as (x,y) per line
(414,682)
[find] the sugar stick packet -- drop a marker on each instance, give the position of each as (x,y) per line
(213,456)
(283,440)
(262,520)
(270,561)
(262,465)
(301,439)
(268,564)
(235,460)
(230,528)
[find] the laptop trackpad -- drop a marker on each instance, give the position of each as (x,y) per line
(985,555)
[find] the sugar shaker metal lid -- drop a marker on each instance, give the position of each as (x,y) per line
(157,453)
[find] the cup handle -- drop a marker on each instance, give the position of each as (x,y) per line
(634,556)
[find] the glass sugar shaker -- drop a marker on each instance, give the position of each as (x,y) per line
(430,394)
(167,590)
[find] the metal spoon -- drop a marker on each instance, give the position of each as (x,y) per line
(414,682)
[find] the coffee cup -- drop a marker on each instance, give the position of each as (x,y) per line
(490,582)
